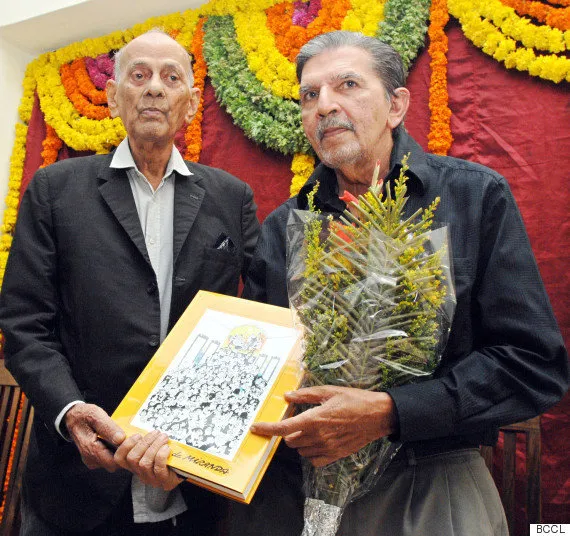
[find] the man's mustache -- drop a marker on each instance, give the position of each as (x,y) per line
(332,122)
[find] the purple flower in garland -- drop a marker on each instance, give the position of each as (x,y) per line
(306,12)
(100,69)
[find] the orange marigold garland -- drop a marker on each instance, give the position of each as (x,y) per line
(289,38)
(6,483)
(193,136)
(439,137)
(85,84)
(81,103)
(555,17)
(51,146)
(558,3)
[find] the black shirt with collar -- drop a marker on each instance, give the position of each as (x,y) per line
(505,360)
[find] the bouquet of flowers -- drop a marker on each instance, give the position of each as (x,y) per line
(374,295)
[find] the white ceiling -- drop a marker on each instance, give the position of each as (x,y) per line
(74,20)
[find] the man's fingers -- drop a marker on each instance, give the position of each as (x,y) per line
(153,442)
(108,429)
(311,395)
(283,428)
(298,440)
(125,448)
(104,457)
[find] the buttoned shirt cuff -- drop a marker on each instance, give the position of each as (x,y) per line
(61,415)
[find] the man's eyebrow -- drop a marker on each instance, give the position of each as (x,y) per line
(335,78)
(168,65)
(137,63)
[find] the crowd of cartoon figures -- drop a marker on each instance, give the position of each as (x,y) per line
(211,397)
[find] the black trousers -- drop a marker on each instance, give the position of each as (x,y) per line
(119,523)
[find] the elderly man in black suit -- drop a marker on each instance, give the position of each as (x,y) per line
(108,251)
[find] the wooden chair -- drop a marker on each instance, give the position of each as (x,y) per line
(15,425)
(531,431)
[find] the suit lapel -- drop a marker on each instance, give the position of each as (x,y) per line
(116,191)
(188,197)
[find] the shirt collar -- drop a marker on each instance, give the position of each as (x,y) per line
(123,159)
(328,188)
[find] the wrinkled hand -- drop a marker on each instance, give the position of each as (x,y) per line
(146,457)
(85,423)
(343,420)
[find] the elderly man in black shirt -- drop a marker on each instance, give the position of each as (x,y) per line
(505,360)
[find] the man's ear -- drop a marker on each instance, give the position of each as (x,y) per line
(192,105)
(400,102)
(111,88)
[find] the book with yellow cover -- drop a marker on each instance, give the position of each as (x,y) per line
(226,364)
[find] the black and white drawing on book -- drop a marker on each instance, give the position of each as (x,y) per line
(209,395)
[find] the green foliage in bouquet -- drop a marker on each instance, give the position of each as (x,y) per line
(371,293)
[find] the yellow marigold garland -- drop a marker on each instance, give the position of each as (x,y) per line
(439,137)
(302,167)
(521,29)
(29,85)
(475,17)
(13,197)
(364,17)
(271,67)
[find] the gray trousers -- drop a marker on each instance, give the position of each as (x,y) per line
(451,494)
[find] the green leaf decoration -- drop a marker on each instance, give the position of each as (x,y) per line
(264,117)
(404,27)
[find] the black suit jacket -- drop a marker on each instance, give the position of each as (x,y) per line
(80,308)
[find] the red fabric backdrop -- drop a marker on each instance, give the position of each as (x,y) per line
(506,120)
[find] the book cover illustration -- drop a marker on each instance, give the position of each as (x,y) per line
(225,364)
(210,394)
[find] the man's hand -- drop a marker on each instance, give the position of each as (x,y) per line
(85,423)
(146,457)
(343,421)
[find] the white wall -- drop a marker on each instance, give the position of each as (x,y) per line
(30,27)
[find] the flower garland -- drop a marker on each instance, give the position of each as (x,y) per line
(193,136)
(270,56)
(365,16)
(100,69)
(302,167)
(479,29)
(439,137)
(305,13)
(13,197)
(559,2)
(262,116)
(404,27)
(12,453)
(80,133)
(554,17)
(77,97)
(289,37)
(520,29)
(276,73)
(29,85)
(51,146)
(85,84)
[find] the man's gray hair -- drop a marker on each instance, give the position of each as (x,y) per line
(160,31)
(386,61)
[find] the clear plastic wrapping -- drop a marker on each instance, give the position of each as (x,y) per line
(374,295)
